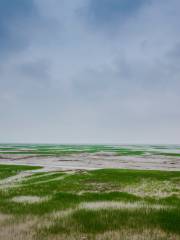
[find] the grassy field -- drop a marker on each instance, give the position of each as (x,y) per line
(100,204)
(60,150)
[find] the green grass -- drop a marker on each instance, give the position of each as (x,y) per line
(61,150)
(107,220)
(94,185)
(68,191)
(11,170)
(169,154)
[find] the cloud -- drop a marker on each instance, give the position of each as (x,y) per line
(89,71)
(110,12)
(14,15)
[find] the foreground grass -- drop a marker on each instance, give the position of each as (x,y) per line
(90,221)
(100,204)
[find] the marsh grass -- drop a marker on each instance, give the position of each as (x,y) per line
(48,150)
(65,213)
(12,170)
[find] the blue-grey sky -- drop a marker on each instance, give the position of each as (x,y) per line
(90,71)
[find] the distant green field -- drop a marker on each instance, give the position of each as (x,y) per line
(99,204)
(59,150)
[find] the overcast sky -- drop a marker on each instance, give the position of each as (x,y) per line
(90,71)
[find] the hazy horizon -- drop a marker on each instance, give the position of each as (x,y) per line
(90,144)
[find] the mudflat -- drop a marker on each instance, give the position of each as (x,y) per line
(63,192)
(98,160)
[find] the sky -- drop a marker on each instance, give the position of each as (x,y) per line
(90,71)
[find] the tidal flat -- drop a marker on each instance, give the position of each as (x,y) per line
(89,192)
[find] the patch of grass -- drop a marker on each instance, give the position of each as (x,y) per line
(59,201)
(129,152)
(11,170)
(115,196)
(168,154)
(62,202)
(90,221)
(35,179)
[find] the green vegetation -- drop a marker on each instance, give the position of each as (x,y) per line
(92,203)
(169,154)
(61,150)
(90,221)
(11,170)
